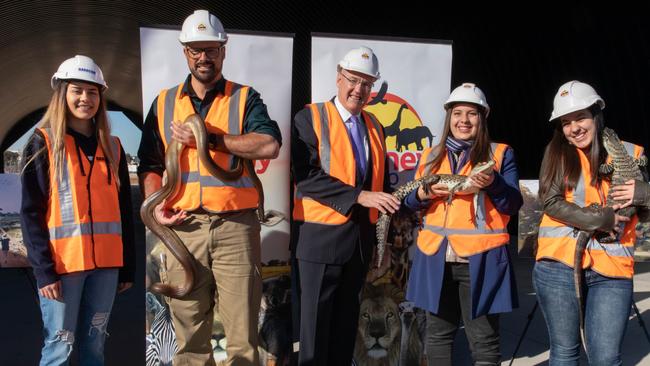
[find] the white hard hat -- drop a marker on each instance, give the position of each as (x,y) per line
(362,60)
(202,26)
(574,96)
(79,68)
(468,93)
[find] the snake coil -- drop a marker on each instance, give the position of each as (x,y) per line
(171,188)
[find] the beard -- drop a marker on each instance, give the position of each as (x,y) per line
(205,76)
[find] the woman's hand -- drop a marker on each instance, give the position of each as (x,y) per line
(624,193)
(618,219)
(435,191)
(482,180)
(52,291)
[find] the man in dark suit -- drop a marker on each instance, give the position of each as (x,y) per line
(340,174)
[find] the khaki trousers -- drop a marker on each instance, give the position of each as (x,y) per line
(226,248)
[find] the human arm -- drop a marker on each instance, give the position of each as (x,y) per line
(35,185)
(637,193)
(261,138)
(503,190)
(310,179)
(151,154)
(127,271)
(313,182)
(382,201)
(584,218)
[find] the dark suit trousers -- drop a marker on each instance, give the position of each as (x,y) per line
(329,305)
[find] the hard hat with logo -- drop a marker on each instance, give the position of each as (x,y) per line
(79,68)
(202,26)
(468,93)
(362,60)
(574,96)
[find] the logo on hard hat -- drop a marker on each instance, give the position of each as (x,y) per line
(564,93)
(83,69)
(201,27)
(365,56)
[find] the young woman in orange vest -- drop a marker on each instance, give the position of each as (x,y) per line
(461,267)
(76,215)
(569,182)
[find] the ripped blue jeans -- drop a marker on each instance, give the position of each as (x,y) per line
(80,320)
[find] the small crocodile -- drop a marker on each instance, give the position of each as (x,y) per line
(456,184)
(621,168)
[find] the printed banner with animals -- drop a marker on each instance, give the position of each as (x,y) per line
(408,101)
(264,62)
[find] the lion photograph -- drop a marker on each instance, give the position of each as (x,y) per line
(380,330)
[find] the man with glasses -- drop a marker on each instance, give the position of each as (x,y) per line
(215,219)
(340,174)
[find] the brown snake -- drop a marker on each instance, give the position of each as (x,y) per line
(170,189)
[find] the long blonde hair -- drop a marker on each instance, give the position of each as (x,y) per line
(56,119)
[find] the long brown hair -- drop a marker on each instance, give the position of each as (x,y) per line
(480,150)
(561,162)
(56,119)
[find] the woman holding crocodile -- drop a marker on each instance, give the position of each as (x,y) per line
(569,183)
(461,268)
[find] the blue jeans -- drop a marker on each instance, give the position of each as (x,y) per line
(607,308)
(80,319)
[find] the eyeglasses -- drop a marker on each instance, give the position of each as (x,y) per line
(353,82)
(210,52)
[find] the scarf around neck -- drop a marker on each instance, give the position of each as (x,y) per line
(458,152)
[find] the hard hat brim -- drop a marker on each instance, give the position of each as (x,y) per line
(55,80)
(347,67)
(449,104)
(600,102)
(203,39)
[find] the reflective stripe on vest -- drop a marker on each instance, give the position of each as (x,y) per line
(339,162)
(557,241)
(83,218)
(469,230)
(200,188)
(70,230)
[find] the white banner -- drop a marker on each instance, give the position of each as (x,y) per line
(261,61)
(417,75)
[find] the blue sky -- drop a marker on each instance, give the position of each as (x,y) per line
(122,127)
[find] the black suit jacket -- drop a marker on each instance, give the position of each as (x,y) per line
(331,244)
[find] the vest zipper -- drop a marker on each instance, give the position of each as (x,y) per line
(90,211)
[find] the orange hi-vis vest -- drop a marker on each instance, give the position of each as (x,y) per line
(199,188)
(83,216)
(337,159)
(557,240)
(467,233)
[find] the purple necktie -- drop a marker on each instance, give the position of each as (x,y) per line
(353,126)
